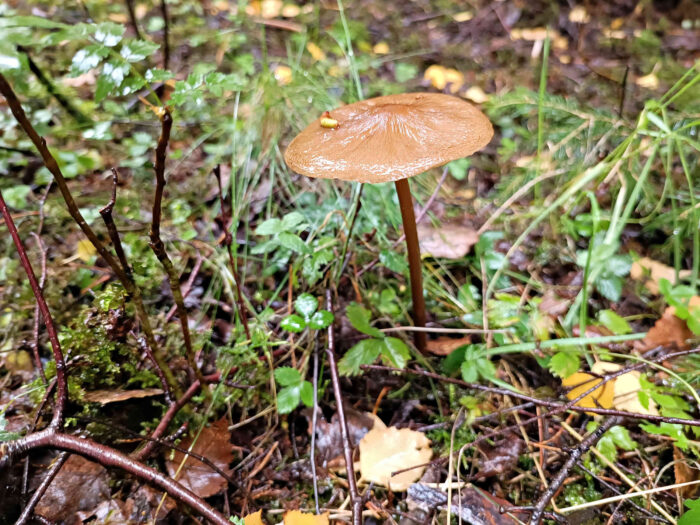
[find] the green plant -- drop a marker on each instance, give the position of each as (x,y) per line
(680,298)
(308,315)
(392,350)
(294,389)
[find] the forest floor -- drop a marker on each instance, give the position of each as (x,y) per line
(561,267)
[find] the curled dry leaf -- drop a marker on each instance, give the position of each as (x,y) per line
(384,451)
(444,345)
(297,517)
(105,397)
(650,272)
(214,444)
(451,241)
(667,331)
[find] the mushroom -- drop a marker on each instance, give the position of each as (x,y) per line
(389,139)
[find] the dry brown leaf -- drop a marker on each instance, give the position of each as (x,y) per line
(669,330)
(254,518)
(212,443)
(684,473)
(329,440)
(387,450)
(444,345)
(650,272)
(297,517)
(79,485)
(114,396)
(553,305)
(451,241)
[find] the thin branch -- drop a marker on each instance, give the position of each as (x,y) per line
(108,457)
(53,167)
(62,386)
(166,33)
(227,220)
(41,489)
(106,213)
(590,440)
(158,246)
(355,498)
(132,18)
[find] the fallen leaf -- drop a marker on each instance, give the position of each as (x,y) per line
(650,81)
(501,458)
(626,389)
(581,382)
(478,507)
(476,95)
(451,241)
(214,444)
(387,450)
(667,331)
(650,272)
(108,512)
(316,52)
(142,505)
(297,517)
(85,250)
(553,305)
(445,345)
(441,77)
(105,397)
(79,485)
(254,518)
(329,440)
(381,48)
(684,473)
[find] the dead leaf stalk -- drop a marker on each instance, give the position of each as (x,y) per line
(160,252)
(41,489)
(355,497)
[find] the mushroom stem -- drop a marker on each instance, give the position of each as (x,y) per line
(414,262)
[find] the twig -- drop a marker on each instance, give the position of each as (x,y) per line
(314,424)
(61,384)
(108,457)
(37,311)
(166,33)
(41,489)
(158,246)
(590,440)
(132,18)
(355,498)
(106,213)
(74,211)
(143,345)
(227,220)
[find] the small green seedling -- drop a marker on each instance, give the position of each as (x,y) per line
(294,389)
(393,351)
(308,316)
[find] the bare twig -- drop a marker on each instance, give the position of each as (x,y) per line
(590,440)
(158,246)
(37,311)
(166,34)
(61,384)
(106,213)
(41,489)
(53,167)
(132,18)
(355,498)
(314,425)
(226,219)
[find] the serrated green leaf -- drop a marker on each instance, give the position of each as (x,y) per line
(16,196)
(470,373)
(293,323)
(110,79)
(564,364)
(287,399)
(609,287)
(87,58)
(137,50)
(287,376)
(269,227)
(621,437)
(307,393)
(691,516)
(486,368)
(395,352)
(393,261)
(157,75)
(293,242)
(619,265)
(305,305)
(363,353)
(359,318)
(321,319)
(292,220)
(108,33)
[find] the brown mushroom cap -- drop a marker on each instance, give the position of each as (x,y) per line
(389,138)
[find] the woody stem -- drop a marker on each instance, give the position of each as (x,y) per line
(414,261)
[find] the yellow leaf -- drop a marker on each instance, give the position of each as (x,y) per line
(387,450)
(316,52)
(381,48)
(283,75)
(625,389)
(297,517)
(440,77)
(85,250)
(476,94)
(579,15)
(291,11)
(253,519)
(582,382)
(650,81)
